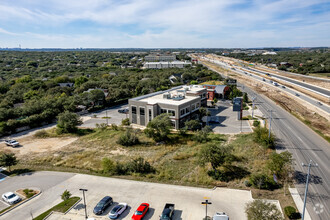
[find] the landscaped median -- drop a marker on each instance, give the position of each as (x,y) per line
(62,207)
(25,194)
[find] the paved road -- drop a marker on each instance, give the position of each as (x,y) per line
(302,84)
(187,199)
(305,145)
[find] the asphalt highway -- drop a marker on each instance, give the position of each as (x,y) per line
(306,85)
(305,145)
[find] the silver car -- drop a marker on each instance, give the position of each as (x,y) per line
(117,210)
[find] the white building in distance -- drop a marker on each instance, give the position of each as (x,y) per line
(162,65)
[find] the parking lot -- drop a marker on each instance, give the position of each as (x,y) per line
(187,200)
(228,123)
(114,117)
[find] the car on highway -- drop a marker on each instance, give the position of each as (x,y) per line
(263,79)
(220,216)
(123,110)
(102,205)
(320,103)
(11,198)
(117,210)
(141,211)
(168,212)
(12,143)
(283,87)
(297,94)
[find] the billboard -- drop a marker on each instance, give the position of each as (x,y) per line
(237,104)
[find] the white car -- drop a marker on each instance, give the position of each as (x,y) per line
(11,198)
(12,143)
(220,216)
(117,210)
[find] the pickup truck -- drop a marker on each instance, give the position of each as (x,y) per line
(11,143)
(168,212)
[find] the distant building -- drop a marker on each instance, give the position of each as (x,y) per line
(182,102)
(66,84)
(285,64)
(160,58)
(216,91)
(163,65)
(269,53)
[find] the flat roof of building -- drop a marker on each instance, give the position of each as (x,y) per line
(170,62)
(158,97)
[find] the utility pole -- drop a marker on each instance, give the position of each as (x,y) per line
(84,190)
(206,203)
(307,181)
(270,122)
(253,99)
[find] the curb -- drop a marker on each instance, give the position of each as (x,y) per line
(64,212)
(21,203)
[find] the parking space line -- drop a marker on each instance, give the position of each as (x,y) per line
(4,203)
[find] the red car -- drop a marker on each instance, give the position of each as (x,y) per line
(141,211)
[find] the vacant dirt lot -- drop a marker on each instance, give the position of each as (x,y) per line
(34,145)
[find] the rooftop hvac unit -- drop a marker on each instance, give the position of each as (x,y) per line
(166,95)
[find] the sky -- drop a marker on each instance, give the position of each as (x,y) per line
(164,23)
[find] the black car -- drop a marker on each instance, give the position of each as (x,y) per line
(103,205)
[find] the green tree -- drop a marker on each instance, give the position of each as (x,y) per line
(79,81)
(108,166)
(193,125)
(203,112)
(66,196)
(129,138)
(259,209)
(245,98)
(280,164)
(8,160)
(68,122)
(202,135)
(139,165)
(214,154)
(159,128)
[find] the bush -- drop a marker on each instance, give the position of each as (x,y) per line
(29,193)
(261,136)
(262,181)
(139,165)
(193,125)
(66,196)
(256,123)
(108,166)
(114,127)
(159,128)
(68,122)
(290,212)
(125,122)
(41,134)
(129,138)
(202,135)
(102,126)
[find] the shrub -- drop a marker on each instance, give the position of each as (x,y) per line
(129,138)
(159,128)
(68,122)
(125,122)
(261,136)
(202,135)
(192,125)
(256,123)
(102,126)
(139,165)
(290,212)
(41,134)
(262,181)
(259,209)
(66,196)
(29,193)
(108,166)
(114,127)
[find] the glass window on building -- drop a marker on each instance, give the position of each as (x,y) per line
(162,111)
(192,107)
(142,111)
(133,110)
(182,111)
(187,110)
(197,105)
(173,123)
(171,112)
(150,115)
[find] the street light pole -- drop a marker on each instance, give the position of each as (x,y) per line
(206,203)
(307,181)
(84,190)
(254,98)
(270,122)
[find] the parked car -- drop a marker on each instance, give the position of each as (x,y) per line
(220,216)
(102,205)
(117,210)
(123,110)
(11,198)
(12,143)
(140,211)
(168,212)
